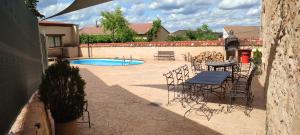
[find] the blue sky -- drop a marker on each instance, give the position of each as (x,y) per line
(175,14)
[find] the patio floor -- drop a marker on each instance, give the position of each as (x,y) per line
(132,100)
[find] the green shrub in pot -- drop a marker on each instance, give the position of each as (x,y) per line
(62,91)
(257,60)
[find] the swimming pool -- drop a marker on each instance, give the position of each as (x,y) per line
(106,62)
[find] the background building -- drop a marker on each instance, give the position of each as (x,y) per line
(141,29)
(62,39)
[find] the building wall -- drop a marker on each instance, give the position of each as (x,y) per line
(33,112)
(162,35)
(147,53)
(70,40)
(71,37)
(281,39)
(21,59)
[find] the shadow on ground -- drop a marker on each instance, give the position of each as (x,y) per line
(257,89)
(116,111)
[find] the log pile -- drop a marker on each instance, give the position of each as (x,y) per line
(208,56)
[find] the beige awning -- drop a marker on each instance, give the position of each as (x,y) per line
(79,4)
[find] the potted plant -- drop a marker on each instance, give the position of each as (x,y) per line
(257,60)
(62,91)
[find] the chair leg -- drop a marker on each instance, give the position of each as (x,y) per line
(168,96)
(89,119)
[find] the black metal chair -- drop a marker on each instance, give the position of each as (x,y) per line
(170,84)
(197,67)
(182,74)
(85,110)
(242,89)
(186,72)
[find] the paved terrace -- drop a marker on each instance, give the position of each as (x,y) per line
(132,100)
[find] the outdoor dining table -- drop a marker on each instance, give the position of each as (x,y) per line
(215,78)
(209,78)
(223,65)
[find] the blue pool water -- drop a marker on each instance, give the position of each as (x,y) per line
(106,62)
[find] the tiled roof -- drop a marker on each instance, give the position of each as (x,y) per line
(139,28)
(54,23)
(93,31)
(244,32)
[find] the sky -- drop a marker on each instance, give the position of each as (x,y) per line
(175,14)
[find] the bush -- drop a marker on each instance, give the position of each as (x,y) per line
(138,39)
(257,57)
(84,39)
(62,91)
(177,38)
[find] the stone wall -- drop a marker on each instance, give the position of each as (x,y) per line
(281,31)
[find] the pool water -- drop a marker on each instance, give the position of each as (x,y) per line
(106,62)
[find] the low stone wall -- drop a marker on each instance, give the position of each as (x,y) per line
(147,53)
(32,114)
(146,50)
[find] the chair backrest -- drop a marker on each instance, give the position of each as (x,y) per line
(199,66)
(179,75)
(250,78)
(186,72)
(166,53)
(170,80)
(219,69)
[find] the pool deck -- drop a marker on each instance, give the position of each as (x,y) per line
(132,100)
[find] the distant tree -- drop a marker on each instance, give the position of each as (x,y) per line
(177,38)
(31,4)
(126,35)
(205,33)
(114,22)
(154,30)
(192,35)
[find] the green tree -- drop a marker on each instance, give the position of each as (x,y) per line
(177,38)
(257,57)
(154,30)
(205,33)
(126,35)
(31,4)
(114,22)
(192,35)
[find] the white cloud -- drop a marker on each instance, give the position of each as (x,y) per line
(53,9)
(175,14)
(253,12)
(237,4)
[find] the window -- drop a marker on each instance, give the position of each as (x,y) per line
(54,41)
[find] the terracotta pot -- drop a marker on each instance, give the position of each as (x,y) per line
(69,128)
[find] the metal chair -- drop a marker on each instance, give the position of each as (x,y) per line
(186,72)
(170,84)
(85,110)
(242,89)
(181,86)
(197,67)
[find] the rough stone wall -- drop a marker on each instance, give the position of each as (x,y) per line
(281,31)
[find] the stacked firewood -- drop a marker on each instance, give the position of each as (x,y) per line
(208,56)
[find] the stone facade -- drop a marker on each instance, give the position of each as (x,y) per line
(281,31)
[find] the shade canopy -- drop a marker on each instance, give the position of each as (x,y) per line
(79,4)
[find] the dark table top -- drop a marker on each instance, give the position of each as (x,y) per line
(217,64)
(209,78)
